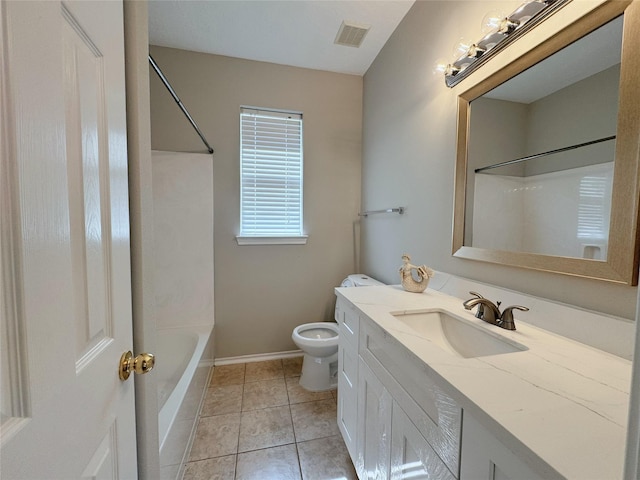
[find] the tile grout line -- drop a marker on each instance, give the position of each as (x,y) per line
(299,462)
(293,427)
(244,378)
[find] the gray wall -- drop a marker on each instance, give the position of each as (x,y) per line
(263,292)
(409,140)
(584,111)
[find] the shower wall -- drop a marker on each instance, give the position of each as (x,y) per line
(562,213)
(183,228)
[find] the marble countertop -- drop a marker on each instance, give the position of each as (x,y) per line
(560,406)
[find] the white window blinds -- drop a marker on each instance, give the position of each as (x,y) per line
(593,207)
(270,173)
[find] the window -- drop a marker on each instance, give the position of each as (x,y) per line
(593,208)
(270,177)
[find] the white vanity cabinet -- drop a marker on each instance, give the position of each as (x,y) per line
(396,421)
(348,323)
(402,397)
(425,421)
(399,423)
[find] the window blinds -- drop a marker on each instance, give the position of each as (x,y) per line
(270,173)
(593,221)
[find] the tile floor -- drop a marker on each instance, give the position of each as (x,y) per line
(258,423)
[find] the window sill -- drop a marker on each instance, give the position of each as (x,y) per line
(299,240)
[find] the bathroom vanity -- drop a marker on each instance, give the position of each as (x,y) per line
(426,390)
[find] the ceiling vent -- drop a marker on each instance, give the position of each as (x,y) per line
(351,34)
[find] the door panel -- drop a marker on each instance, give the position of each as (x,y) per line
(88,174)
(65,260)
(104,463)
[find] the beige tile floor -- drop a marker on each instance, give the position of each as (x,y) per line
(258,423)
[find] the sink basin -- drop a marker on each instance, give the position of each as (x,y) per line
(457,335)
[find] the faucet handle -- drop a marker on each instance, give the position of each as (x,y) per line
(506,319)
(480,310)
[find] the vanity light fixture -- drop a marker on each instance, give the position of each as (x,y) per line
(499,30)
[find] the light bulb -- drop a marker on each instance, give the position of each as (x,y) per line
(462,48)
(475,51)
(498,22)
(491,21)
(468,49)
(443,67)
(440,67)
(507,26)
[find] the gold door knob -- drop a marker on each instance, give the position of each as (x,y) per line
(140,364)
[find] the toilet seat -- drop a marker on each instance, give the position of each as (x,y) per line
(319,339)
(317,333)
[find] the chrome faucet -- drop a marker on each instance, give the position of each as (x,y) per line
(490,312)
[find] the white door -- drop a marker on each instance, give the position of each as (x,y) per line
(66,300)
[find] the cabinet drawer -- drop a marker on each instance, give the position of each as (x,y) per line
(435,414)
(348,320)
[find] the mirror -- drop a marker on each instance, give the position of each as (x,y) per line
(547,165)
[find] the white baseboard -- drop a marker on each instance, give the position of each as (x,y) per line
(259,357)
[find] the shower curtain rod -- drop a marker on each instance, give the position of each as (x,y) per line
(544,154)
(182,107)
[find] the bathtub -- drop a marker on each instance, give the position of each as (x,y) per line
(182,381)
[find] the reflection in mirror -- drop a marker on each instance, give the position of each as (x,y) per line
(548,154)
(541,151)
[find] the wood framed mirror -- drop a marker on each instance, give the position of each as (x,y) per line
(547,178)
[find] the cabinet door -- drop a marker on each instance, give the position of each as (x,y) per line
(411,455)
(348,393)
(436,415)
(374,426)
(483,457)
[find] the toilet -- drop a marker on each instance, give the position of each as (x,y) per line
(319,342)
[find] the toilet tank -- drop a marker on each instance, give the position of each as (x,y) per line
(360,280)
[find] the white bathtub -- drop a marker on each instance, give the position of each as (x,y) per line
(182,381)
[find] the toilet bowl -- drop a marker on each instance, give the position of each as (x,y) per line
(319,342)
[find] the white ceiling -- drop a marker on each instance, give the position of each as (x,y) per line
(294,32)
